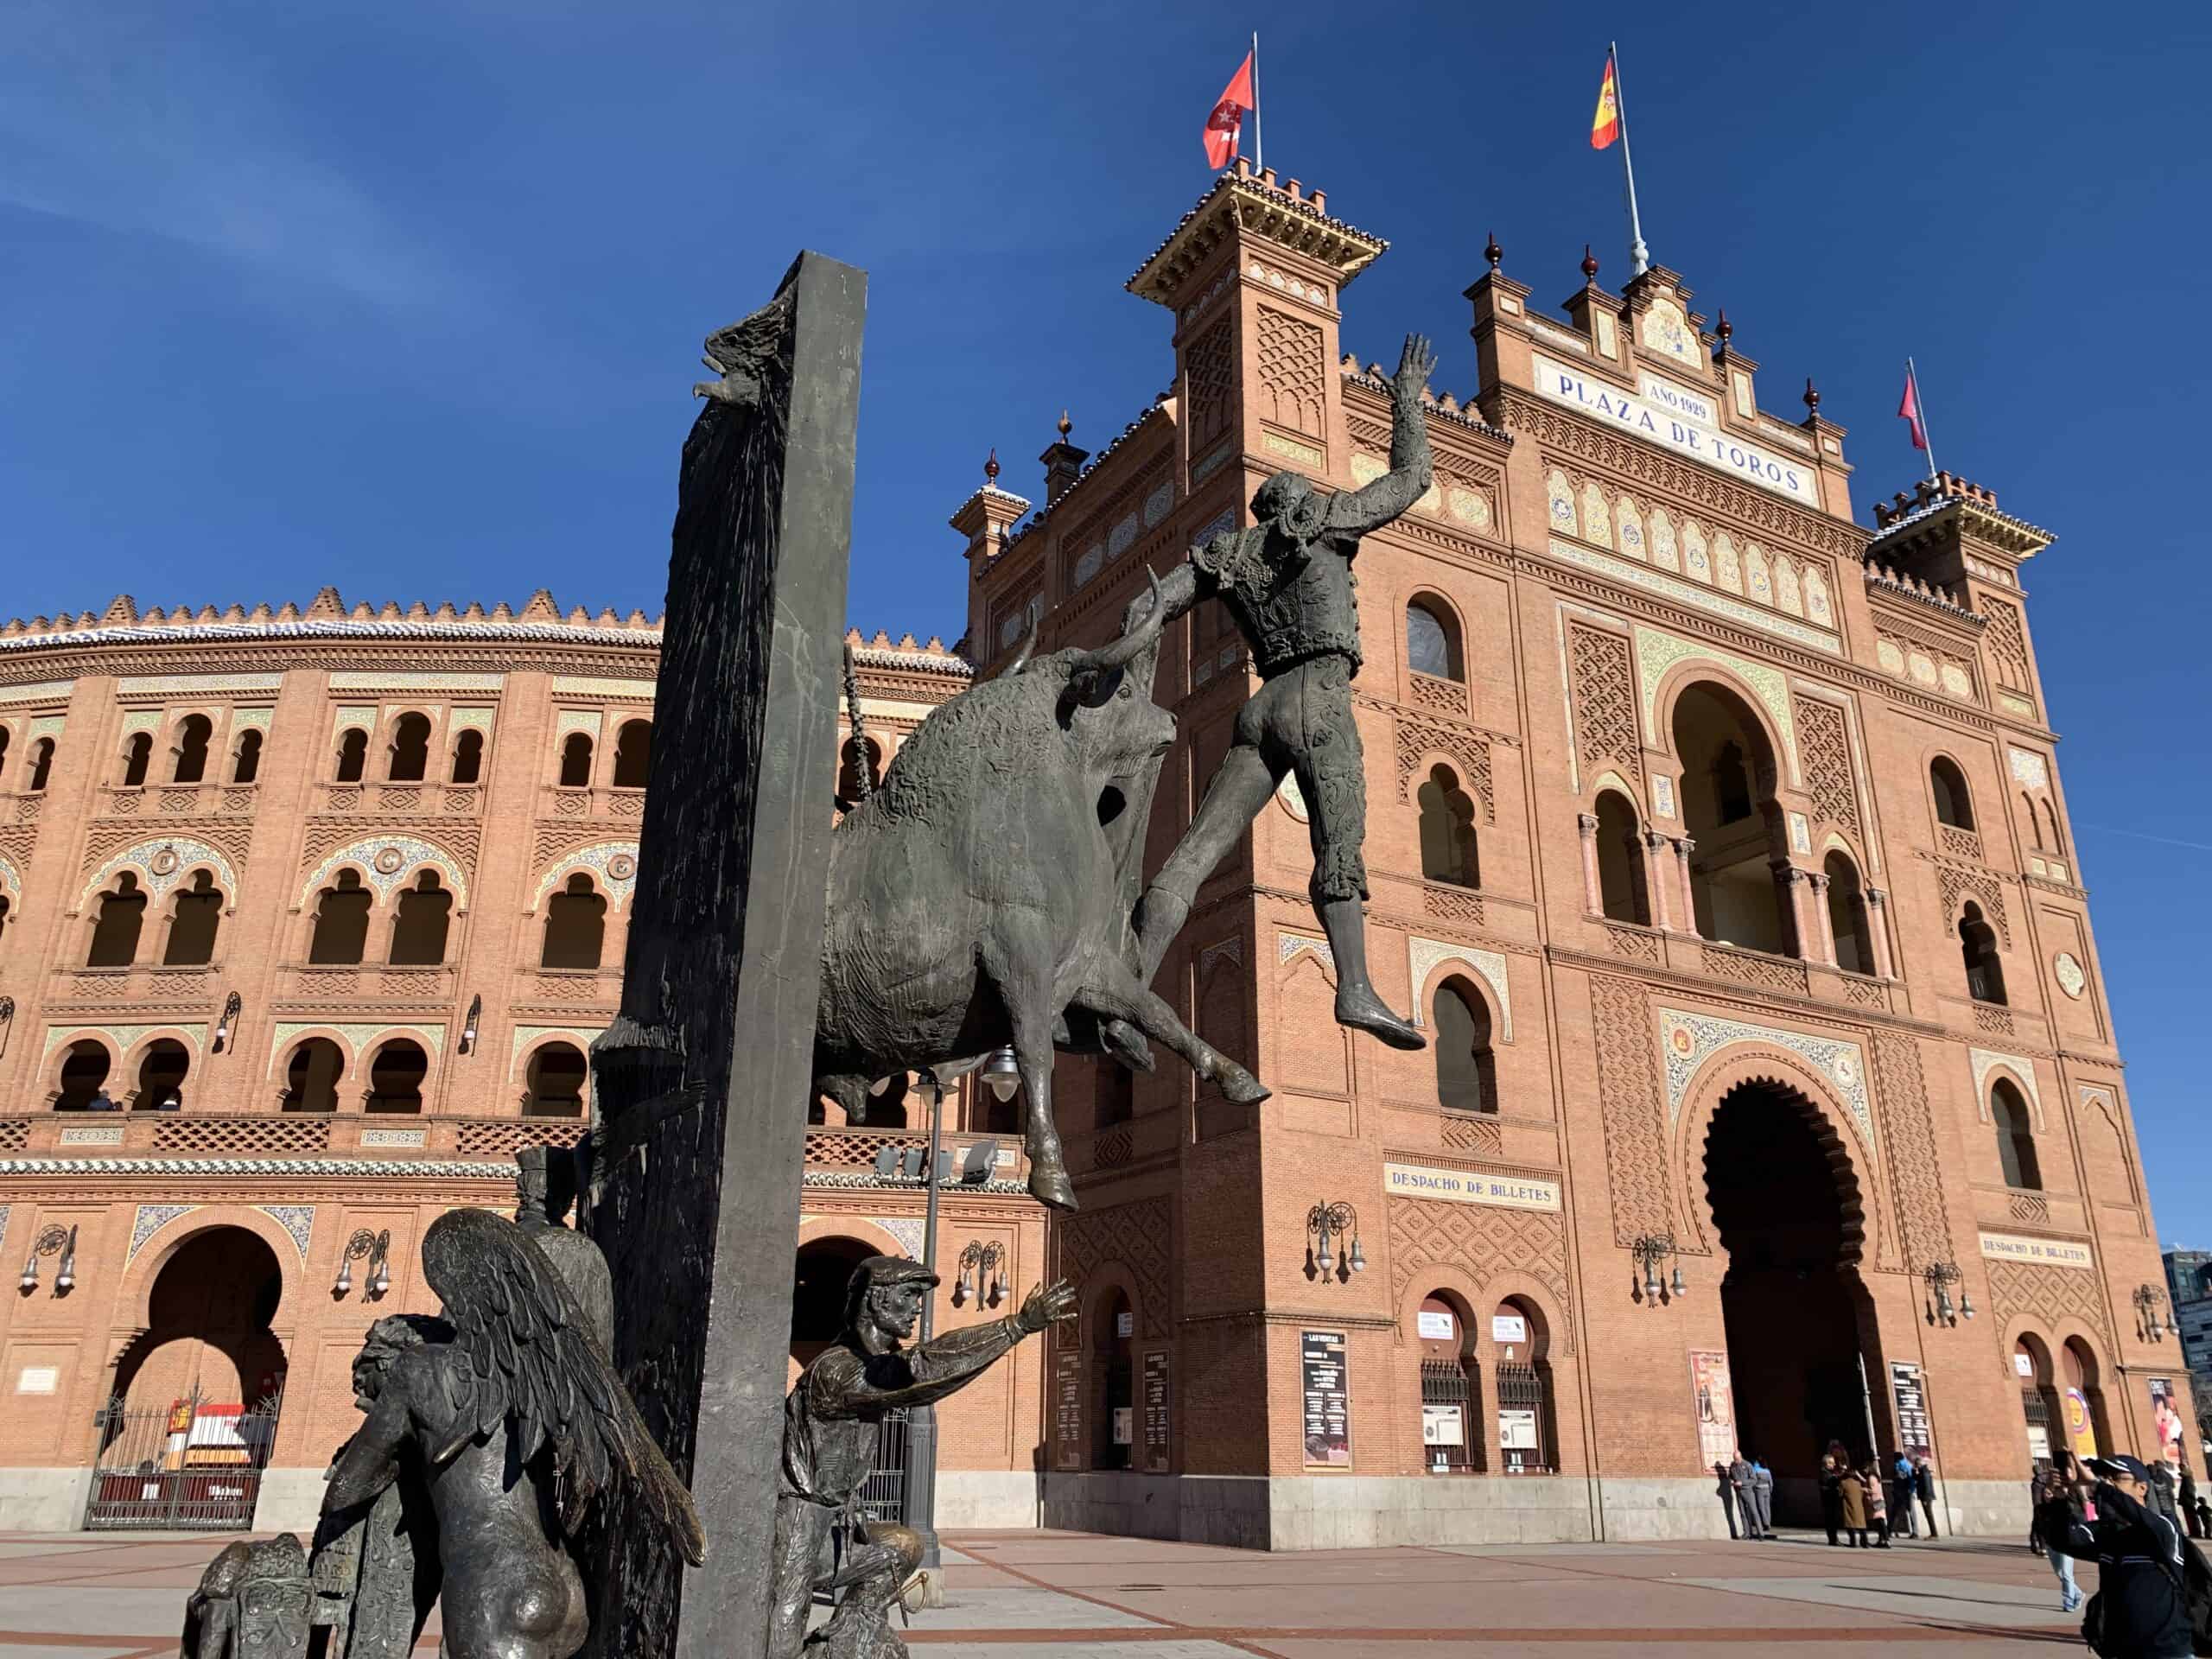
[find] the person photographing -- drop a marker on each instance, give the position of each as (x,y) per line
(2139,1611)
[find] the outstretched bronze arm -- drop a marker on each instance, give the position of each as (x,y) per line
(1179,591)
(1358,511)
(929,1370)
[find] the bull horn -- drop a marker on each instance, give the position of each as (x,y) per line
(1126,648)
(1029,646)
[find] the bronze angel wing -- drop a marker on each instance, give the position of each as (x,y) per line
(529,1365)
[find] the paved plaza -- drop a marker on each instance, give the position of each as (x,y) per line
(1034,1595)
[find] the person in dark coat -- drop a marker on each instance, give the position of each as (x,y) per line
(2142,1613)
(1740,1476)
(2189,1503)
(1726,1490)
(1851,1491)
(1763,1499)
(1834,1467)
(1924,1488)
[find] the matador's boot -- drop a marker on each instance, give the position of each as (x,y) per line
(1358,1005)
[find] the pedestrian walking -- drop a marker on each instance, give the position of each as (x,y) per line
(1901,1496)
(2204,1517)
(1762,1496)
(2164,1491)
(1851,1490)
(2037,1496)
(1877,1507)
(2141,1611)
(1831,1473)
(2188,1502)
(1726,1489)
(2051,1488)
(1924,1488)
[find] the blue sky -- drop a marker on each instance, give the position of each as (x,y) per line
(408,297)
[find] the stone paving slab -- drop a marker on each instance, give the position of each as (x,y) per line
(1023,1607)
(1916,1597)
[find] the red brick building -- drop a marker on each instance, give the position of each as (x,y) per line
(1717,840)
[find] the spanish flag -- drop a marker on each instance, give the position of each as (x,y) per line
(1605,125)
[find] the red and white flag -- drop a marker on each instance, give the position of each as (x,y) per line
(1227,121)
(1909,409)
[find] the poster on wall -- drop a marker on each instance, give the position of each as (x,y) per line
(1716,1406)
(2080,1432)
(1916,1438)
(1067,1406)
(1443,1425)
(1125,1425)
(1155,1411)
(1509,1329)
(1434,1325)
(1517,1439)
(2166,1418)
(1328,1398)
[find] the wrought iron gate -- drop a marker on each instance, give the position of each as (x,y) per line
(190,1465)
(883,1494)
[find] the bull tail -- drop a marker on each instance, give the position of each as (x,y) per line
(863,781)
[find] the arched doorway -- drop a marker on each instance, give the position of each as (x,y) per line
(824,1268)
(1451,1387)
(192,1415)
(1799,1321)
(1113,1334)
(2041,1411)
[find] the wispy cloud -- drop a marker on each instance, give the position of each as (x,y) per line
(107,119)
(2137,835)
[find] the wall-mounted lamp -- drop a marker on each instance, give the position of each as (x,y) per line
(2148,1299)
(1328,1226)
(1940,1276)
(377,1247)
(982,1274)
(1650,1250)
(231,1005)
(54,1241)
(468,1025)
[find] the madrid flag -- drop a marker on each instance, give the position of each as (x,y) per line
(1909,409)
(1227,120)
(1605,125)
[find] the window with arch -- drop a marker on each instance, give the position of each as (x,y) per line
(575,761)
(2034,821)
(468,757)
(42,764)
(1432,642)
(341,922)
(4,735)
(2016,1137)
(311,1076)
(246,763)
(557,1082)
(419,923)
(409,760)
(395,1075)
(161,1076)
(4,918)
(1954,805)
(2057,843)
(633,754)
(122,918)
(1528,1430)
(195,915)
(1466,1068)
(1113,1326)
(138,756)
(1728,808)
(1622,890)
(575,926)
(85,1066)
(1977,948)
(1849,920)
(352,755)
(192,739)
(856,753)
(1451,1386)
(2078,1366)
(1448,850)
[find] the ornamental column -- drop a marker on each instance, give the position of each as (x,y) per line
(1824,931)
(1878,926)
(1593,894)
(1658,878)
(1792,882)
(1684,846)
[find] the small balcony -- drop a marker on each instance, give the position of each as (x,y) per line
(853,1152)
(107,990)
(369,800)
(180,800)
(281,1134)
(366,981)
(620,805)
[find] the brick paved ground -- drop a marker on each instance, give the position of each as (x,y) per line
(1047,1595)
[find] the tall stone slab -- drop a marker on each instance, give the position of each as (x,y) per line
(702,1083)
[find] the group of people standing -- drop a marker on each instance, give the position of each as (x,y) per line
(1747,1489)
(1866,1502)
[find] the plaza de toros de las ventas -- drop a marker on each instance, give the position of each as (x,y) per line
(1715,839)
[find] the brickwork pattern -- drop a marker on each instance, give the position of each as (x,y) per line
(1635,1148)
(1601,671)
(1290,370)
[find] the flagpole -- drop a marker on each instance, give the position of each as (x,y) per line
(1259,146)
(1920,408)
(1639,256)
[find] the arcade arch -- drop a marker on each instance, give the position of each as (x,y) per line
(208,1323)
(1728,808)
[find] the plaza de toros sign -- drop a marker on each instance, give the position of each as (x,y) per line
(1683,421)
(1469,1187)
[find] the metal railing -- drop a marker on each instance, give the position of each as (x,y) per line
(186,1466)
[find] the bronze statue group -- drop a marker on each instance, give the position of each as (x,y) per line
(492,1434)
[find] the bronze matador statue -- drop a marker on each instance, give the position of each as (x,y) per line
(830,1421)
(1287,582)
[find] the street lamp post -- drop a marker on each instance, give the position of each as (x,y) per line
(1651,1249)
(1003,1077)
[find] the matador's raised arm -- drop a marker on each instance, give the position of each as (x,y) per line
(929,1370)
(1357,511)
